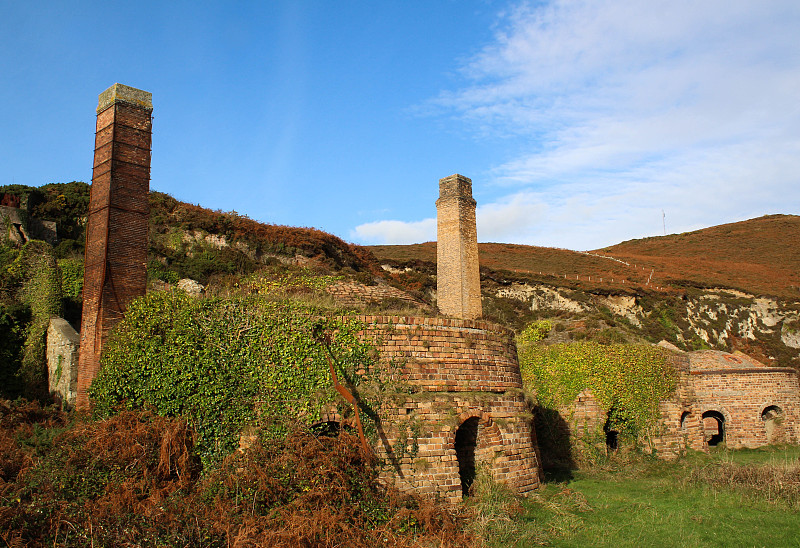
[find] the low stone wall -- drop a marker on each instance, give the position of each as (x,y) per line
(461,408)
(62,360)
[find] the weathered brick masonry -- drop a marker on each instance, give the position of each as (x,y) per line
(115,269)
(720,397)
(464,406)
(752,404)
(679,426)
(458,282)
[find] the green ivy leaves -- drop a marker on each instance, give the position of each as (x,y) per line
(226,363)
(627,380)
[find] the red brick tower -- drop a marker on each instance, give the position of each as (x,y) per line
(115,269)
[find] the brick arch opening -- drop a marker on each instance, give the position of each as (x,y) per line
(329,428)
(685,416)
(714,427)
(466,443)
(612,435)
(772,417)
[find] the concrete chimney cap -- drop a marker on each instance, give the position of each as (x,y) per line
(119,93)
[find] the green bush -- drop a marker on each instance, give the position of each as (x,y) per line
(12,337)
(224,364)
(71,277)
(37,276)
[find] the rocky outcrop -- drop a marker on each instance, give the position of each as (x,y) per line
(717,318)
(62,360)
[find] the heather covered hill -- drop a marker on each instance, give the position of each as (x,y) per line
(197,242)
(759,256)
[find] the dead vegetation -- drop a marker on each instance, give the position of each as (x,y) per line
(776,483)
(133,480)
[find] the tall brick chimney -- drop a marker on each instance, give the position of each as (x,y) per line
(458,282)
(115,268)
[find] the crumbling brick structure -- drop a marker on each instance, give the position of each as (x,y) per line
(458,282)
(459,406)
(462,406)
(115,270)
(743,402)
(720,398)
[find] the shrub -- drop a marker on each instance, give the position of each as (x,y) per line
(37,274)
(223,364)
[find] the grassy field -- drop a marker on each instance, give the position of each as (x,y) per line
(726,498)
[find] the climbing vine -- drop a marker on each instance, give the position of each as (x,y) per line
(36,273)
(226,363)
(627,380)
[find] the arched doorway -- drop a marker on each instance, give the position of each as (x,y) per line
(772,416)
(684,419)
(612,435)
(465,444)
(714,427)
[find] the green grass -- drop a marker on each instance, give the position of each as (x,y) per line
(689,502)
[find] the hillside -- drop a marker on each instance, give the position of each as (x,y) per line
(760,256)
(731,287)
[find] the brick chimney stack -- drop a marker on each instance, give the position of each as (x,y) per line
(115,268)
(458,282)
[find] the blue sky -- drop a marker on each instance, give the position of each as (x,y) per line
(578,122)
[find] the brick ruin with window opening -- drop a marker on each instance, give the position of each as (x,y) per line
(463,408)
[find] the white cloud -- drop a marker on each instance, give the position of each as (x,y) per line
(395,232)
(622,108)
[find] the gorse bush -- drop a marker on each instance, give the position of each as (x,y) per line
(226,363)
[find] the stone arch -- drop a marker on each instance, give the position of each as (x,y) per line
(327,428)
(772,416)
(476,433)
(715,425)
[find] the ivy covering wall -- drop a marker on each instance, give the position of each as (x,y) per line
(35,276)
(226,363)
(628,380)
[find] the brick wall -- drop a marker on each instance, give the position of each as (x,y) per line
(458,290)
(356,294)
(457,373)
(115,269)
(741,389)
(678,428)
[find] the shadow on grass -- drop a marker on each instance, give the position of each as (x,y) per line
(558,475)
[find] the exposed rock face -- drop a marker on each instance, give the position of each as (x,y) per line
(62,360)
(542,297)
(191,287)
(717,317)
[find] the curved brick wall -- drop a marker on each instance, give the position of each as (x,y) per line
(448,355)
(458,369)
